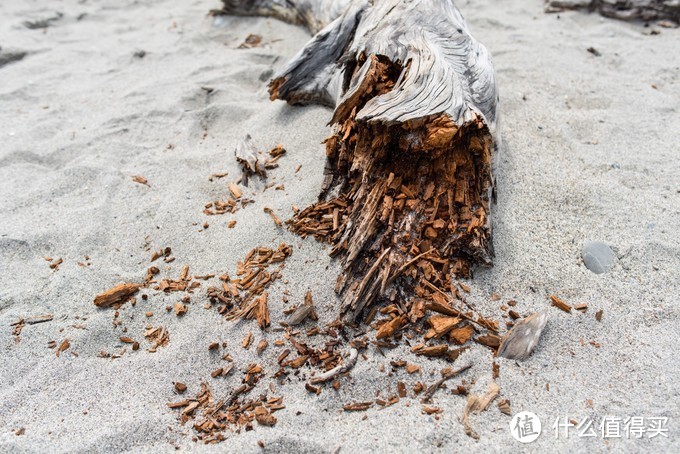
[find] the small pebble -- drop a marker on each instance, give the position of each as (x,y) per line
(598,256)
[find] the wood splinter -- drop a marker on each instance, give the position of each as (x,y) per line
(117,295)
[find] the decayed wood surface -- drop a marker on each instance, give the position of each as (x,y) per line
(405,203)
(622,9)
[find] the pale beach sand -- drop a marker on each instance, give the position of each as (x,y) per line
(591,152)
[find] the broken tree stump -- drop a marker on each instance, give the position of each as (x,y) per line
(406,200)
(645,10)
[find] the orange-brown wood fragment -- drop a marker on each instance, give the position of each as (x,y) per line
(435,350)
(389,328)
(558,303)
(490,340)
(358,406)
(235,191)
(117,295)
(262,314)
(247,340)
(440,325)
(461,335)
(298,362)
(65,344)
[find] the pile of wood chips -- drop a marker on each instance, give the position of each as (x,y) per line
(245,297)
(211,418)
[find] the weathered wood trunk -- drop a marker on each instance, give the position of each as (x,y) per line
(313,14)
(645,10)
(405,204)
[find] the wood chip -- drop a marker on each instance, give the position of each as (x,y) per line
(412,368)
(440,325)
(273,215)
(65,344)
(251,41)
(558,303)
(247,340)
(298,362)
(433,351)
(180,387)
(263,417)
(358,406)
(504,407)
(117,295)
(235,191)
(180,309)
(461,335)
(389,328)
(140,179)
(490,340)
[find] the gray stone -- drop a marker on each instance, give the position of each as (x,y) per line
(598,256)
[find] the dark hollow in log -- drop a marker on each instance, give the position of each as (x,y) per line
(645,10)
(405,203)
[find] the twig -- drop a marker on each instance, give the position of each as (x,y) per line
(433,388)
(341,369)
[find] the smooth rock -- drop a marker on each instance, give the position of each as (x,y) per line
(598,256)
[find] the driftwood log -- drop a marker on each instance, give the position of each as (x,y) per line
(406,200)
(645,10)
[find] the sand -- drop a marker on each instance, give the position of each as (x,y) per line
(590,153)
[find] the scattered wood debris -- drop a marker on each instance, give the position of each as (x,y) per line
(598,315)
(159,337)
(245,297)
(212,417)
